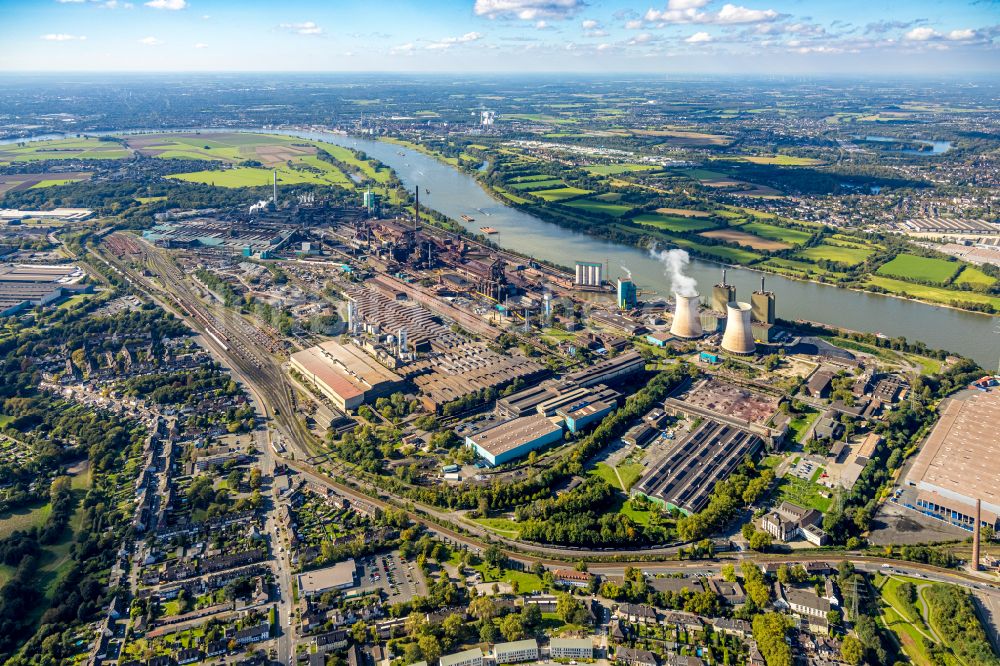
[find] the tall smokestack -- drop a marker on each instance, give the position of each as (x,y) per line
(274,196)
(975,535)
(738,337)
(723,276)
(687,321)
(416,207)
(762,284)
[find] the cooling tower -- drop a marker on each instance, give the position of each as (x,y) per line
(738,337)
(687,322)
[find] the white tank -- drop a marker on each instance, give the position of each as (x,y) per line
(738,337)
(687,321)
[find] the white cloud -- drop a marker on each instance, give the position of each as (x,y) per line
(641,38)
(590,24)
(686,11)
(603,47)
(962,35)
(115,4)
(62,37)
(920,34)
(405,49)
(699,38)
(201,45)
(150,41)
(634,24)
(542,25)
(70,2)
(686,4)
(735,14)
(172,5)
(527,10)
(309,28)
(448,42)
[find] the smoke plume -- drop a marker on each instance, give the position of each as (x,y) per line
(628,273)
(675,263)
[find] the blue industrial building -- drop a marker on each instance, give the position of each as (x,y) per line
(582,414)
(513,439)
(627,296)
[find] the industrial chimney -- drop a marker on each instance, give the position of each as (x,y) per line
(274,196)
(738,337)
(687,322)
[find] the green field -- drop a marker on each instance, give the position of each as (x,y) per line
(704,174)
(63,149)
(797,491)
(730,255)
(781,160)
(849,256)
(24,519)
(912,267)
(772,232)
(595,206)
(800,424)
(673,222)
(536,184)
(560,193)
(794,268)
(53,182)
(973,276)
(504,526)
(629,473)
(243,177)
(933,294)
(615,169)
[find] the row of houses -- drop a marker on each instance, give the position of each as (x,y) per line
(522,651)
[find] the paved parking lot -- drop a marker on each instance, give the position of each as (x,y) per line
(399,579)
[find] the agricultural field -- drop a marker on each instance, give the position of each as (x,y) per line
(596,206)
(684,212)
(780,160)
(22,181)
(932,294)
(972,276)
(730,255)
(849,256)
(560,193)
(799,269)
(84,148)
(746,239)
(251,177)
(615,169)
(913,267)
(672,222)
(772,232)
(522,186)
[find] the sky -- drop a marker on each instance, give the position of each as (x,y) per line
(760,37)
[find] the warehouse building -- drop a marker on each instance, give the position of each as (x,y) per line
(340,576)
(610,370)
(685,477)
(581,415)
(512,439)
(345,374)
(960,463)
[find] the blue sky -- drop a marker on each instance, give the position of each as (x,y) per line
(865,37)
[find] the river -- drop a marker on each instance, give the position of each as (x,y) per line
(455,193)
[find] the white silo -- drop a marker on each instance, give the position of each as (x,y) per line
(738,337)
(687,322)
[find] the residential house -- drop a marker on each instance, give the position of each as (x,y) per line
(634,657)
(516,651)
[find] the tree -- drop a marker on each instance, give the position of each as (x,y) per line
(483,608)
(784,575)
(488,632)
(430,647)
(760,541)
(416,623)
(769,631)
(452,626)
(359,632)
(570,609)
(512,627)
(833,617)
(851,650)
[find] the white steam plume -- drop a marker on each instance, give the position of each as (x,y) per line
(628,273)
(675,262)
